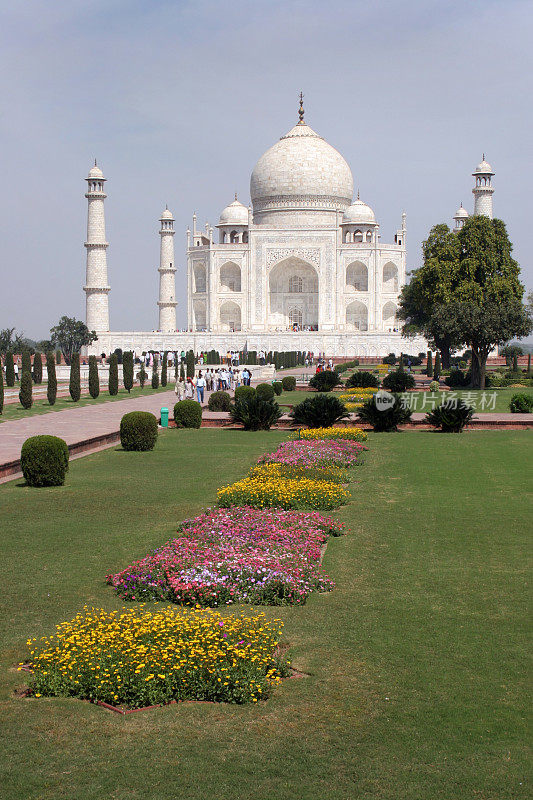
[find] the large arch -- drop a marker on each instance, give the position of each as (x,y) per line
(356,316)
(200,282)
(357,277)
(199,311)
(293,287)
(390,277)
(388,314)
(230,277)
(230,316)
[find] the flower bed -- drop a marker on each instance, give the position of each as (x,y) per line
(355,434)
(312,453)
(319,473)
(354,399)
(137,658)
(235,555)
(283,493)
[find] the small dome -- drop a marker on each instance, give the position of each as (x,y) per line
(461,213)
(484,168)
(234,214)
(359,214)
(167,214)
(95,172)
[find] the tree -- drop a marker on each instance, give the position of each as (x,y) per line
(190,363)
(142,375)
(1,388)
(10,369)
(74,386)
(164,367)
(529,364)
(431,286)
(182,370)
(70,335)
(10,341)
(515,362)
(94,380)
(51,379)
(26,362)
(113,375)
(437,368)
(127,369)
(155,375)
(429,365)
(37,368)
(26,389)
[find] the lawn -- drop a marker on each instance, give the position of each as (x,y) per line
(416,662)
(42,406)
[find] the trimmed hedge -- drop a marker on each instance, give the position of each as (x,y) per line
(188,414)
(44,461)
(138,431)
(289,383)
(244,391)
(278,387)
(265,391)
(219,401)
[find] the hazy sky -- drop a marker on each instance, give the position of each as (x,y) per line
(178,99)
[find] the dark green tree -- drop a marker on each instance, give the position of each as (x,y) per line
(529,364)
(182,370)
(515,362)
(437,367)
(113,375)
(26,361)
(58,357)
(190,363)
(143,375)
(10,369)
(164,369)
(70,335)
(26,389)
(51,379)
(94,380)
(37,368)
(74,386)
(1,387)
(10,341)
(155,375)
(127,369)
(429,365)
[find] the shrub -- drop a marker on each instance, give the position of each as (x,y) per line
(451,416)
(346,365)
(155,374)
(219,401)
(390,359)
(244,391)
(10,369)
(164,369)
(189,360)
(398,381)
(362,378)
(113,375)
(143,375)
(265,391)
(94,380)
(188,414)
(521,403)
(44,461)
(384,419)
(278,387)
(74,386)
(457,379)
(37,368)
(321,411)
(434,386)
(288,383)
(138,430)
(255,414)
(325,381)
(429,365)
(127,370)
(51,380)
(283,493)
(26,390)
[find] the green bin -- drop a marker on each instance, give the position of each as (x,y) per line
(164,417)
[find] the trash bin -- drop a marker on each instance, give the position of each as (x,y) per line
(164,417)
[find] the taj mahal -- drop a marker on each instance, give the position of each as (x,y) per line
(302,267)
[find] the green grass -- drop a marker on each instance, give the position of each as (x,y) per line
(42,406)
(416,662)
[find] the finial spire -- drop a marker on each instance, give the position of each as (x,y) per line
(483,159)
(358,194)
(301,111)
(95,164)
(235,195)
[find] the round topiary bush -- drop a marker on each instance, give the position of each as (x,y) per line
(278,387)
(188,414)
(398,381)
(243,391)
(521,403)
(219,401)
(44,461)
(288,383)
(325,381)
(265,391)
(362,379)
(138,431)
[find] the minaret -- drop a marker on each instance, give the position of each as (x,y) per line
(167,275)
(96,287)
(483,191)
(460,216)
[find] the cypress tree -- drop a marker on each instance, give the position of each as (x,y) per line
(429,365)
(190,363)
(51,385)
(37,368)
(164,368)
(155,375)
(515,362)
(529,364)
(436,371)
(94,380)
(26,389)
(142,375)
(113,375)
(127,369)
(74,386)
(10,370)
(176,366)
(1,387)
(182,370)
(26,361)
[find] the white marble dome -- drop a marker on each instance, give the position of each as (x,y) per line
(302,168)
(461,213)
(359,213)
(483,168)
(167,214)
(95,172)
(234,214)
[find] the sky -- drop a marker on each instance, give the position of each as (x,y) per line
(177,99)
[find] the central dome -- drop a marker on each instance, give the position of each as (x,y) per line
(301,171)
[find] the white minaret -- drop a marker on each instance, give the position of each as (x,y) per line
(460,216)
(167,275)
(483,191)
(96,287)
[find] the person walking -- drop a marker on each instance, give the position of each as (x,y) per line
(180,389)
(189,389)
(200,386)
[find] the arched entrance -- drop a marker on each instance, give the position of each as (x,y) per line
(230,316)
(357,316)
(293,296)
